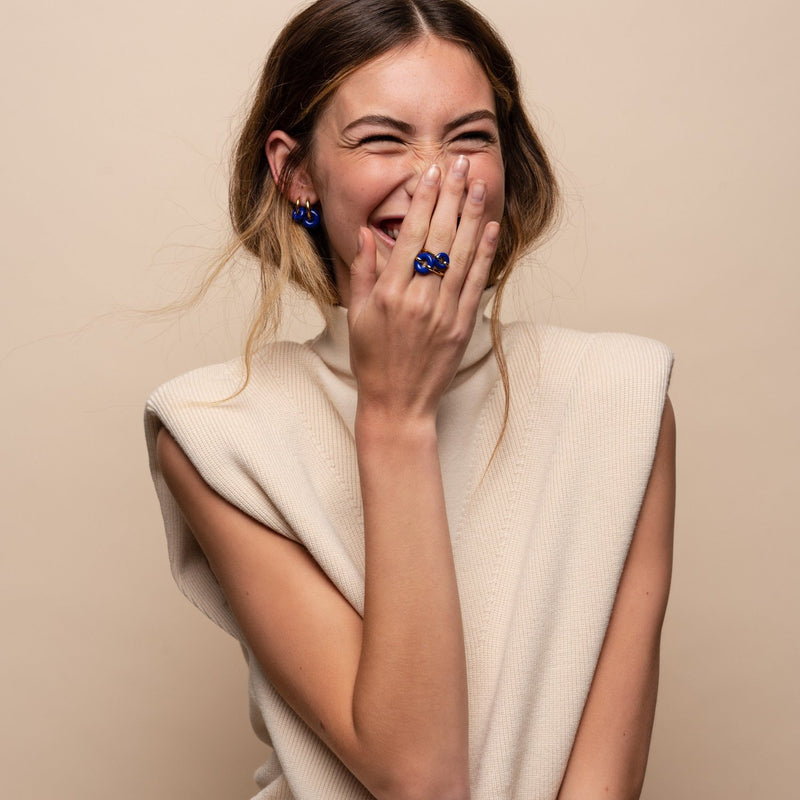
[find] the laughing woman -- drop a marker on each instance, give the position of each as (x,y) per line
(444,544)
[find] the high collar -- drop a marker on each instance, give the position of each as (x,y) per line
(333,344)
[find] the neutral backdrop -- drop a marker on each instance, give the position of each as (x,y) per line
(674,128)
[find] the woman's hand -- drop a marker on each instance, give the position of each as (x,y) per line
(408,331)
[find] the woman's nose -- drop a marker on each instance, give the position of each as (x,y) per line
(420,160)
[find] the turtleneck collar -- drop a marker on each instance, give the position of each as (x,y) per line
(333,344)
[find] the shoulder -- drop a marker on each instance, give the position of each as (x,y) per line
(620,355)
(564,348)
(551,356)
(231,390)
(604,392)
(240,436)
(208,384)
(213,410)
(216,383)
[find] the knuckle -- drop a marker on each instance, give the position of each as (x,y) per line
(441,232)
(420,306)
(472,211)
(453,340)
(460,332)
(415,228)
(461,255)
(385,298)
(475,282)
(448,329)
(454,185)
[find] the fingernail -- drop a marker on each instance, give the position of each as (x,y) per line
(360,240)
(431,176)
(493,232)
(478,191)
(460,166)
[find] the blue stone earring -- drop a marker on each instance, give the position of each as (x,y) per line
(305,215)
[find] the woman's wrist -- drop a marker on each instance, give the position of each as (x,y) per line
(381,426)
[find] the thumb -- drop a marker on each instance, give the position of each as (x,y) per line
(362,272)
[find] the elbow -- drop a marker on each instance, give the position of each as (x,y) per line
(420,764)
(421,790)
(425,782)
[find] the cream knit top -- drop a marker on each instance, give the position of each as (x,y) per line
(539,539)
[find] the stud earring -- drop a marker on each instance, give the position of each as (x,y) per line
(305,215)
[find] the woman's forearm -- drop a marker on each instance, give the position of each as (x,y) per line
(410,692)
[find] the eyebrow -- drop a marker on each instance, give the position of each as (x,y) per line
(382,121)
(473,116)
(404,127)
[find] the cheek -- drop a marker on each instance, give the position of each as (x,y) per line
(351,196)
(501,200)
(494,175)
(346,202)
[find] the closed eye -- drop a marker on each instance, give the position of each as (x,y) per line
(380,137)
(474,138)
(480,136)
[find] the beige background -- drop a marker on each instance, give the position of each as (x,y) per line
(675,129)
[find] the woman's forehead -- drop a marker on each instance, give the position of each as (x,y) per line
(430,76)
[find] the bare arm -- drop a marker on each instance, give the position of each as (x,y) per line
(388,695)
(609,755)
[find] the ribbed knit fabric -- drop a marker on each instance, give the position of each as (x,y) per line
(539,539)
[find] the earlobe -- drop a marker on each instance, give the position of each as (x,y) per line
(278,147)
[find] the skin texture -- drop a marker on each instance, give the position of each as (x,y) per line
(387,693)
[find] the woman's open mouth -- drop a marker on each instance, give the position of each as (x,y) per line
(391,227)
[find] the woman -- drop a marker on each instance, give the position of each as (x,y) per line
(416,524)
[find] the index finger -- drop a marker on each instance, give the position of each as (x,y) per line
(414,229)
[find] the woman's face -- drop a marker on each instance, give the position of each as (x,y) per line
(418,105)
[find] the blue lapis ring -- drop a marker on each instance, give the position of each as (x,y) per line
(426,262)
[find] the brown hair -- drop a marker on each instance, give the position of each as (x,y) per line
(312,56)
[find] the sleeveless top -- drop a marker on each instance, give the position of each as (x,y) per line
(539,537)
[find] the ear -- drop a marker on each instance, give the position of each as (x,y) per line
(278,147)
